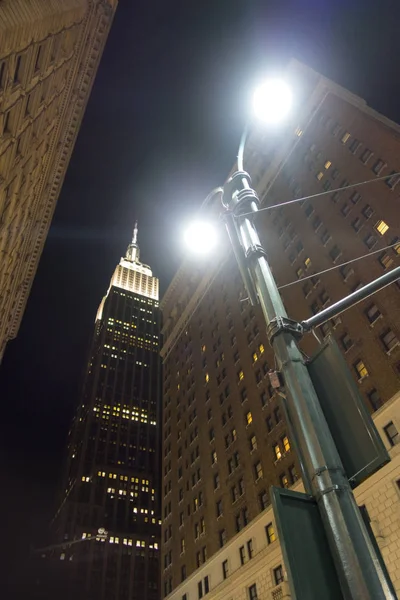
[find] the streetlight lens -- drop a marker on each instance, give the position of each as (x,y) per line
(272,101)
(201,237)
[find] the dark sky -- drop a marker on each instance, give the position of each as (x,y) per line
(161,129)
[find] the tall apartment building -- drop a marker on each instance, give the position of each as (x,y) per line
(224,435)
(113,471)
(251,566)
(49,54)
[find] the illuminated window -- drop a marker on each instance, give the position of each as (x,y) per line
(203,348)
(240,375)
(249,418)
(327,164)
(258,472)
(255,357)
(307,262)
(278,453)
(319,175)
(286,443)
(261,348)
(382,227)
(284,481)
(253,443)
(270,533)
(345,137)
(207,377)
(361,370)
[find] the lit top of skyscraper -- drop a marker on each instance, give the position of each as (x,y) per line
(132,275)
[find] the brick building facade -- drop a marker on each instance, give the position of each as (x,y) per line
(49,54)
(225,439)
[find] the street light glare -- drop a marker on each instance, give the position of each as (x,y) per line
(272,101)
(201,237)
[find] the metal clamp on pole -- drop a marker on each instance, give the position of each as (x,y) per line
(281,324)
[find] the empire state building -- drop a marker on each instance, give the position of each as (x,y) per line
(113,470)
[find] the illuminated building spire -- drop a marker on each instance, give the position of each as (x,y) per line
(132,252)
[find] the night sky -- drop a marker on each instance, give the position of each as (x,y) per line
(161,129)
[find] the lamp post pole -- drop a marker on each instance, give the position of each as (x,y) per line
(359,571)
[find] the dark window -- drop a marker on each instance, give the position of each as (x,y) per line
(277,414)
(346,341)
(335,253)
(335,197)
(325,237)
(200,589)
(225,569)
(370,241)
(327,185)
(222,537)
(346,271)
(242,553)
(393,180)
(390,340)
(309,210)
(263,500)
(253,592)
(346,209)
(38,58)
(357,224)
(216,481)
(219,508)
(373,313)
(264,399)
(283,480)
(392,434)
(378,166)
(355,197)
(374,399)
(366,155)
(183,572)
(250,548)
(269,423)
(17,69)
(206,585)
(367,211)
(293,473)
(354,146)
(278,575)
(335,173)
(2,74)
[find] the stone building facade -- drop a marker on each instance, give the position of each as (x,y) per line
(49,54)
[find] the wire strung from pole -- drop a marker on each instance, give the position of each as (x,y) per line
(348,262)
(320,194)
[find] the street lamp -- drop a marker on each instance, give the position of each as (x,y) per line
(357,565)
(201,237)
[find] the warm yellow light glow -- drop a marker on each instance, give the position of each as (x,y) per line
(382,227)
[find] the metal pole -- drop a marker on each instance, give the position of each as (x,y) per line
(360,574)
(352,299)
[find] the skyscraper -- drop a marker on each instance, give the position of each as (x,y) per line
(225,438)
(113,471)
(49,55)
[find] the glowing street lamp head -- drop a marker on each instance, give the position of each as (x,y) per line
(272,101)
(201,237)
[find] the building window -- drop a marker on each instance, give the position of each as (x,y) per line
(385,260)
(392,434)
(374,399)
(219,508)
(346,209)
(285,443)
(335,197)
(373,314)
(249,418)
(253,443)
(225,569)
(258,472)
(277,414)
(393,180)
(367,211)
(250,550)
(366,155)
(327,185)
(319,175)
(309,210)
(17,69)
(335,253)
(327,164)
(214,458)
(211,434)
(283,480)
(269,423)
(316,224)
(346,272)
(325,237)
(277,452)
(240,375)
(278,575)
(389,340)
(354,146)
(242,553)
(293,473)
(361,370)
(357,224)
(345,137)
(253,592)
(222,538)
(270,533)
(216,481)
(381,227)
(263,500)
(355,197)
(395,243)
(378,166)
(347,342)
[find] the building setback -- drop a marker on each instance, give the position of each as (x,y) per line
(224,435)
(49,55)
(113,471)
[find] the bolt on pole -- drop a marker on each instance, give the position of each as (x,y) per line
(360,574)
